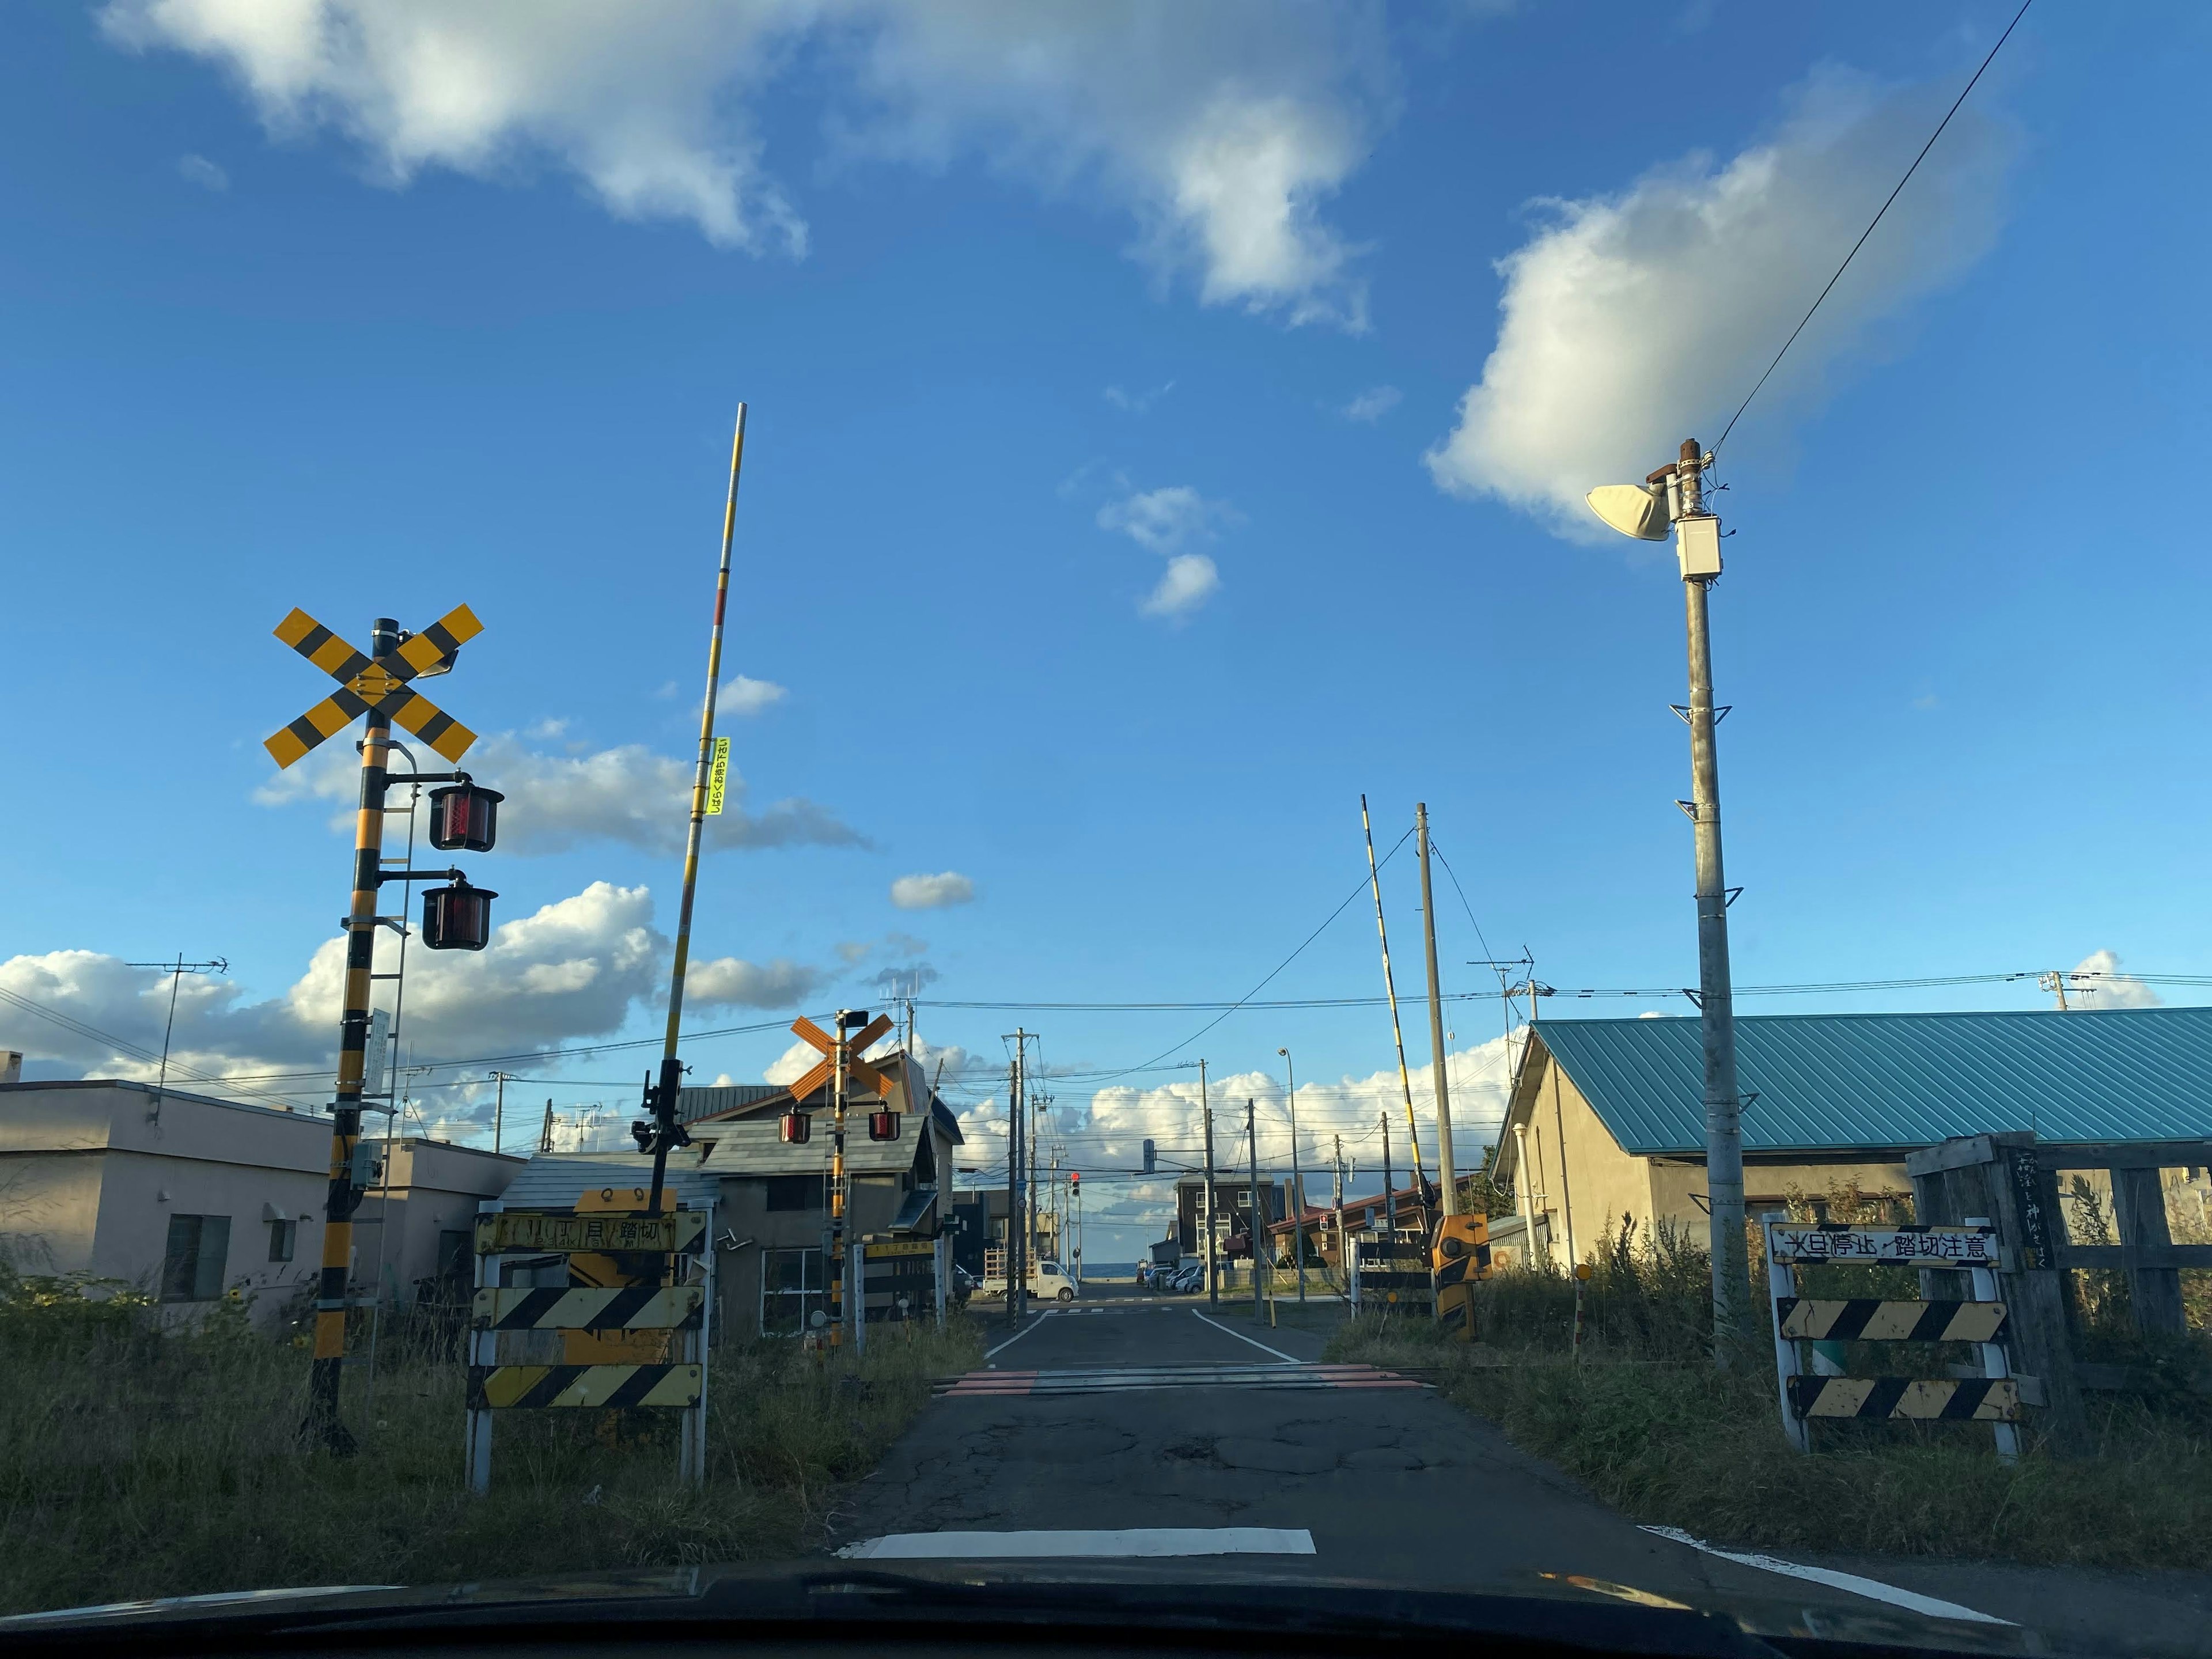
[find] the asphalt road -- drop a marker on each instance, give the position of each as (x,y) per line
(1392,1483)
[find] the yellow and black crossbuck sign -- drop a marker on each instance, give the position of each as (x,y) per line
(1869,1319)
(505,1387)
(1981,1399)
(379,683)
(633,1308)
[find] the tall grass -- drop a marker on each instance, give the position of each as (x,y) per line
(136,1461)
(1644,1418)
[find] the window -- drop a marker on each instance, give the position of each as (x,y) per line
(193,1266)
(799,1192)
(792,1288)
(283,1238)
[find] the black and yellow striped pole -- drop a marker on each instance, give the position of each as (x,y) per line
(665,1132)
(343,1196)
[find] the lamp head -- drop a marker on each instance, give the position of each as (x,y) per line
(1635,510)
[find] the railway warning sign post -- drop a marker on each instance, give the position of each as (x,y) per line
(641,1343)
(377,686)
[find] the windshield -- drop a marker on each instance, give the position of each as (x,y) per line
(928,763)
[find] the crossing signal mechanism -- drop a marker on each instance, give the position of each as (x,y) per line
(376,686)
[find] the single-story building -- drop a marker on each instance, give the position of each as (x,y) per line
(771,1197)
(189,1197)
(1607,1118)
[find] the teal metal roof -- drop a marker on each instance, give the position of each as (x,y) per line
(1844,1081)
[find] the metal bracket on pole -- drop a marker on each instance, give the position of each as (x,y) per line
(1689,810)
(1729,896)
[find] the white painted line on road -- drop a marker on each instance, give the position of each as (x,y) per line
(1873,1588)
(1017,1335)
(1241,1337)
(1131,1541)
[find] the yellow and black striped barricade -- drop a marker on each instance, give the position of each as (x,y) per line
(1391,1276)
(901,1279)
(1809,1331)
(632,1321)
(1460,1259)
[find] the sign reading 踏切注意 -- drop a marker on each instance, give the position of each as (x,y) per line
(1918,1246)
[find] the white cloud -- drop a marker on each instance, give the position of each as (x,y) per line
(628,794)
(1631,321)
(932,892)
(728,983)
(1373,405)
(198,170)
(1221,128)
(1137,402)
(2098,976)
(1166,521)
(1188,583)
(743,695)
(794,1063)
(1162,521)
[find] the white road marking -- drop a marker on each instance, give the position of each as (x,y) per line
(1133,1541)
(1873,1589)
(1241,1337)
(1019,1335)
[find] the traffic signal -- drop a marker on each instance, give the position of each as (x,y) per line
(1074,1180)
(1150,1157)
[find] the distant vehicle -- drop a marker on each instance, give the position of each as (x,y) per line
(1191,1279)
(1048,1279)
(962,1287)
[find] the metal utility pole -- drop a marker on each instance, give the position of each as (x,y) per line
(1447,1174)
(1018,1282)
(667,1132)
(1298,1179)
(1206,1113)
(345,1193)
(545,1134)
(176,970)
(1390,993)
(1389,1188)
(1343,1269)
(1252,1150)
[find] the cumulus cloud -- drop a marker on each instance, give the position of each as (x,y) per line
(577,967)
(198,170)
(2098,976)
(1632,320)
(1167,521)
(1221,128)
(1373,405)
(1186,583)
(933,892)
(743,695)
(554,802)
(728,983)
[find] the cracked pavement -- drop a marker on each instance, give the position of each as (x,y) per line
(1395,1485)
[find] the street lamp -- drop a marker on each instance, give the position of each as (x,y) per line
(1674,495)
(1298,1179)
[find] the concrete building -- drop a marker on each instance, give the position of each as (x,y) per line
(1607,1119)
(189,1197)
(771,1198)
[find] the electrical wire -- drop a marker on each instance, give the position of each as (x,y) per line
(1876,220)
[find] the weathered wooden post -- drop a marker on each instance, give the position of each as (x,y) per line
(1999,1175)
(2139,1208)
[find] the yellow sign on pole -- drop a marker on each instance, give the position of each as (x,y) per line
(719,778)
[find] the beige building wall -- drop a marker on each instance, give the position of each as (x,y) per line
(1582,1181)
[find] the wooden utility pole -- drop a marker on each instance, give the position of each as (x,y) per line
(1016,1279)
(1343,1271)
(1206,1112)
(1447,1174)
(498,1109)
(1390,1186)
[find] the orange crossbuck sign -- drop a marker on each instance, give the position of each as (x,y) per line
(859,1076)
(380,683)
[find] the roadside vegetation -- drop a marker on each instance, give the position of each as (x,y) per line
(138,1461)
(1643,1418)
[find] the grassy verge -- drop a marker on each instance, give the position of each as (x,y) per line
(1649,1425)
(135,1463)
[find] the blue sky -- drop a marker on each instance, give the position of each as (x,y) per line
(1111,518)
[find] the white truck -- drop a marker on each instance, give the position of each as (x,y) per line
(1048,1279)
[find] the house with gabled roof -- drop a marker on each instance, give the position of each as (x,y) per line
(771,1196)
(1607,1117)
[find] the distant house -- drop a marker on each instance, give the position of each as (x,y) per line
(1607,1118)
(771,1198)
(1232,1211)
(189,1197)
